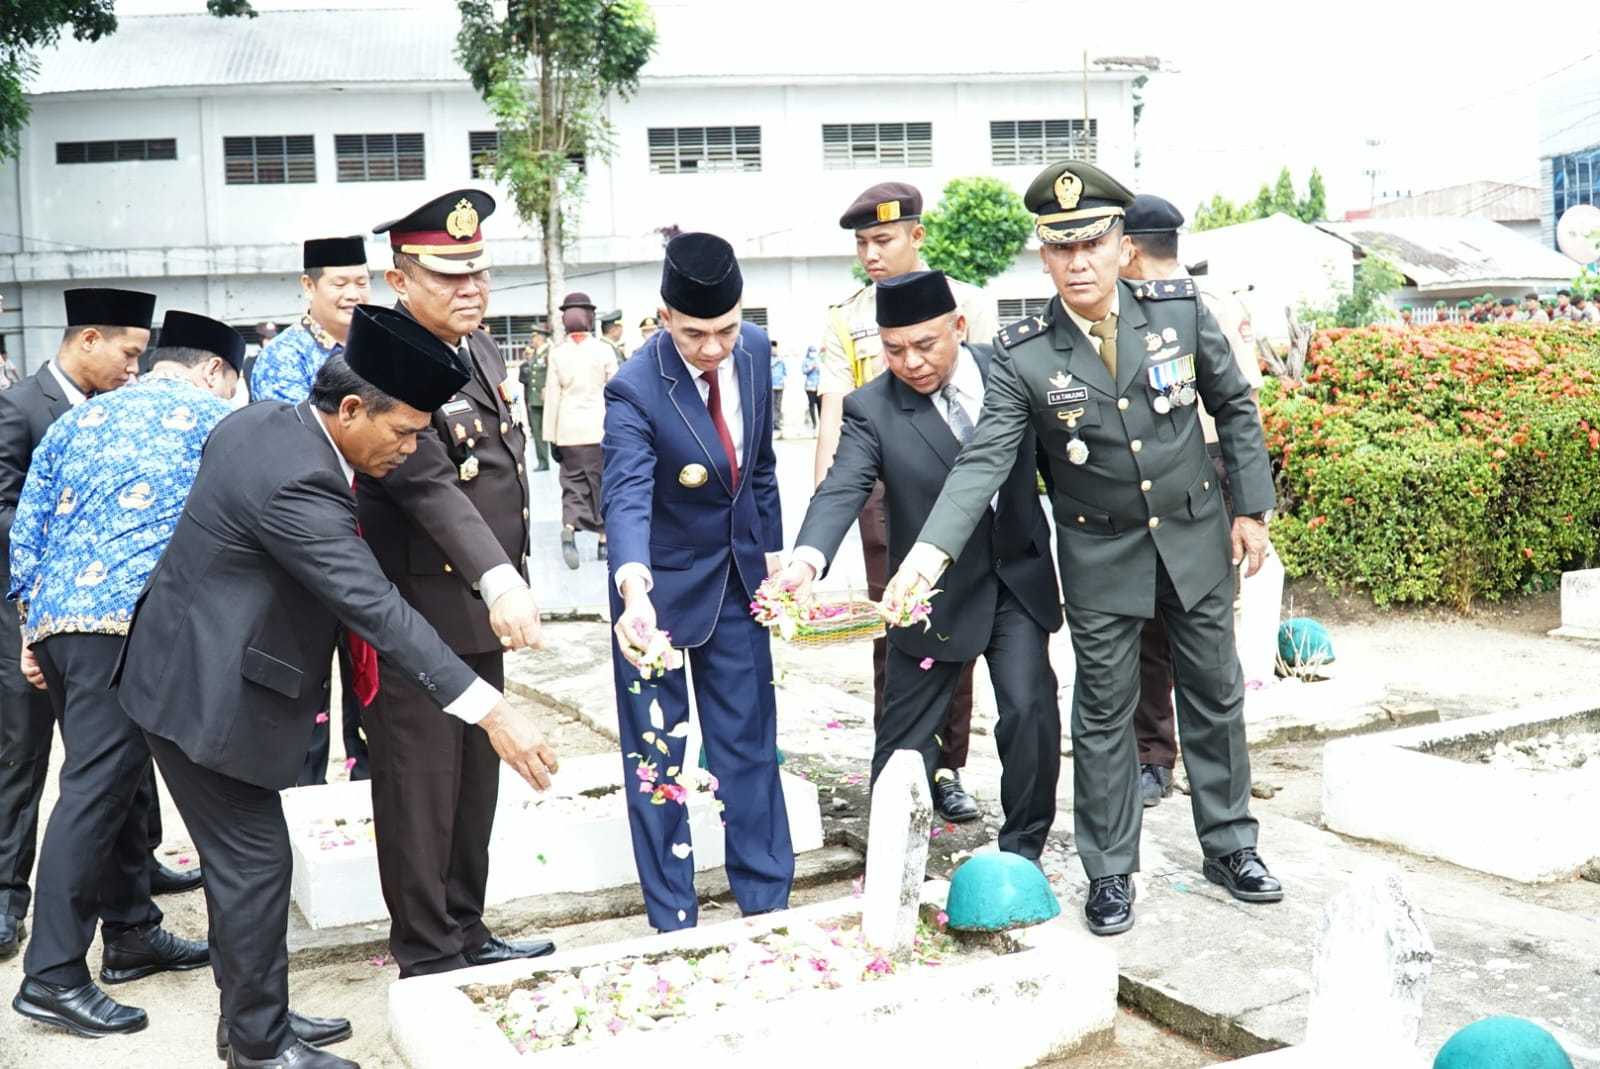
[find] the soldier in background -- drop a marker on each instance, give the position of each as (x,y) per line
(611,334)
(535,366)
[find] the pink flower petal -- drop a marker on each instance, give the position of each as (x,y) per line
(349,763)
(322,718)
(925,664)
(183,860)
(833,725)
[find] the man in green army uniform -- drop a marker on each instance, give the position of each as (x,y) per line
(611,334)
(535,366)
(1108,378)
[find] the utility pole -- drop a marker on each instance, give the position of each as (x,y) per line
(1372,172)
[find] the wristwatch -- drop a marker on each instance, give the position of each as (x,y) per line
(1259,517)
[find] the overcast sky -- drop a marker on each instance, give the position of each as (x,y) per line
(1449,92)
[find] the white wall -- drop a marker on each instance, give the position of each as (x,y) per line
(232,251)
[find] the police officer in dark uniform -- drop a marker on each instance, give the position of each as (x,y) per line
(611,333)
(450,529)
(1108,378)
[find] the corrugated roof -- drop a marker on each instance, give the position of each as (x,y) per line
(701,39)
(1443,253)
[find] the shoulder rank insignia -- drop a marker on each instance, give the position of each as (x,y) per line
(1023,329)
(1167,289)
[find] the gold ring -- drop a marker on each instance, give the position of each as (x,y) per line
(505,640)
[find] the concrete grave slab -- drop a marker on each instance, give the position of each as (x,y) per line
(1580,605)
(1053,995)
(1424,790)
(573,838)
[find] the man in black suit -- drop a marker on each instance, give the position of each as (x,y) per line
(226,663)
(999,598)
(450,530)
(107,330)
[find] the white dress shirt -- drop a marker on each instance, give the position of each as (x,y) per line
(480,698)
(732,415)
(75,396)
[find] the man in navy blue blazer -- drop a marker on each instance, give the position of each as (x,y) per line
(689,494)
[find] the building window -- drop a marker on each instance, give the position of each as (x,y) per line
(380,157)
(701,149)
(1030,143)
(484,145)
(511,333)
(1009,311)
(758,316)
(157,148)
(877,144)
(1575,179)
(263,161)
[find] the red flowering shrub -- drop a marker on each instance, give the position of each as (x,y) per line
(1442,464)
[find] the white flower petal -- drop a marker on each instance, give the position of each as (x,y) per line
(657,720)
(681,850)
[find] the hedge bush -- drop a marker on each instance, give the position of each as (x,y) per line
(1444,464)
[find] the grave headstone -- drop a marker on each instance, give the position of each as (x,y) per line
(1580,604)
(897,852)
(1370,970)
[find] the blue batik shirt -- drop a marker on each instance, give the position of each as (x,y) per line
(102,497)
(288,364)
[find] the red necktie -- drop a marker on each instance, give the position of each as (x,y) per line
(363,658)
(714,404)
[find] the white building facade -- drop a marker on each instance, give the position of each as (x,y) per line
(190,156)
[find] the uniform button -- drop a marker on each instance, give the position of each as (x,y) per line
(1145,486)
(1136,445)
(1071,423)
(502,428)
(448,568)
(1155,521)
(524,513)
(1205,485)
(519,469)
(422,677)
(433,686)
(1122,403)
(1081,519)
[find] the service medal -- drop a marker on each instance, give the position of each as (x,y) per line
(693,476)
(1077,452)
(1161,404)
(1185,394)
(468,469)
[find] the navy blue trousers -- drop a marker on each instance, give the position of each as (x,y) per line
(738,712)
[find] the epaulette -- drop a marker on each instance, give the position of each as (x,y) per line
(1013,334)
(1166,289)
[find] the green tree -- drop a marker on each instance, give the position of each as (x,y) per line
(1220,212)
(29,25)
(1261,207)
(1315,204)
(977,229)
(548,70)
(1283,196)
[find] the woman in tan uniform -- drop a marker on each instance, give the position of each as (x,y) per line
(574,415)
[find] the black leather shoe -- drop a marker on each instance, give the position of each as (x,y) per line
(165,881)
(1245,876)
(951,799)
(12,933)
(317,1031)
(84,1011)
(496,949)
(1109,907)
(569,547)
(1155,783)
(147,951)
(298,1056)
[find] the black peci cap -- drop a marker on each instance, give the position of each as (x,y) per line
(109,308)
(334,252)
(886,202)
(402,358)
(700,276)
(914,298)
(1151,215)
(185,330)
